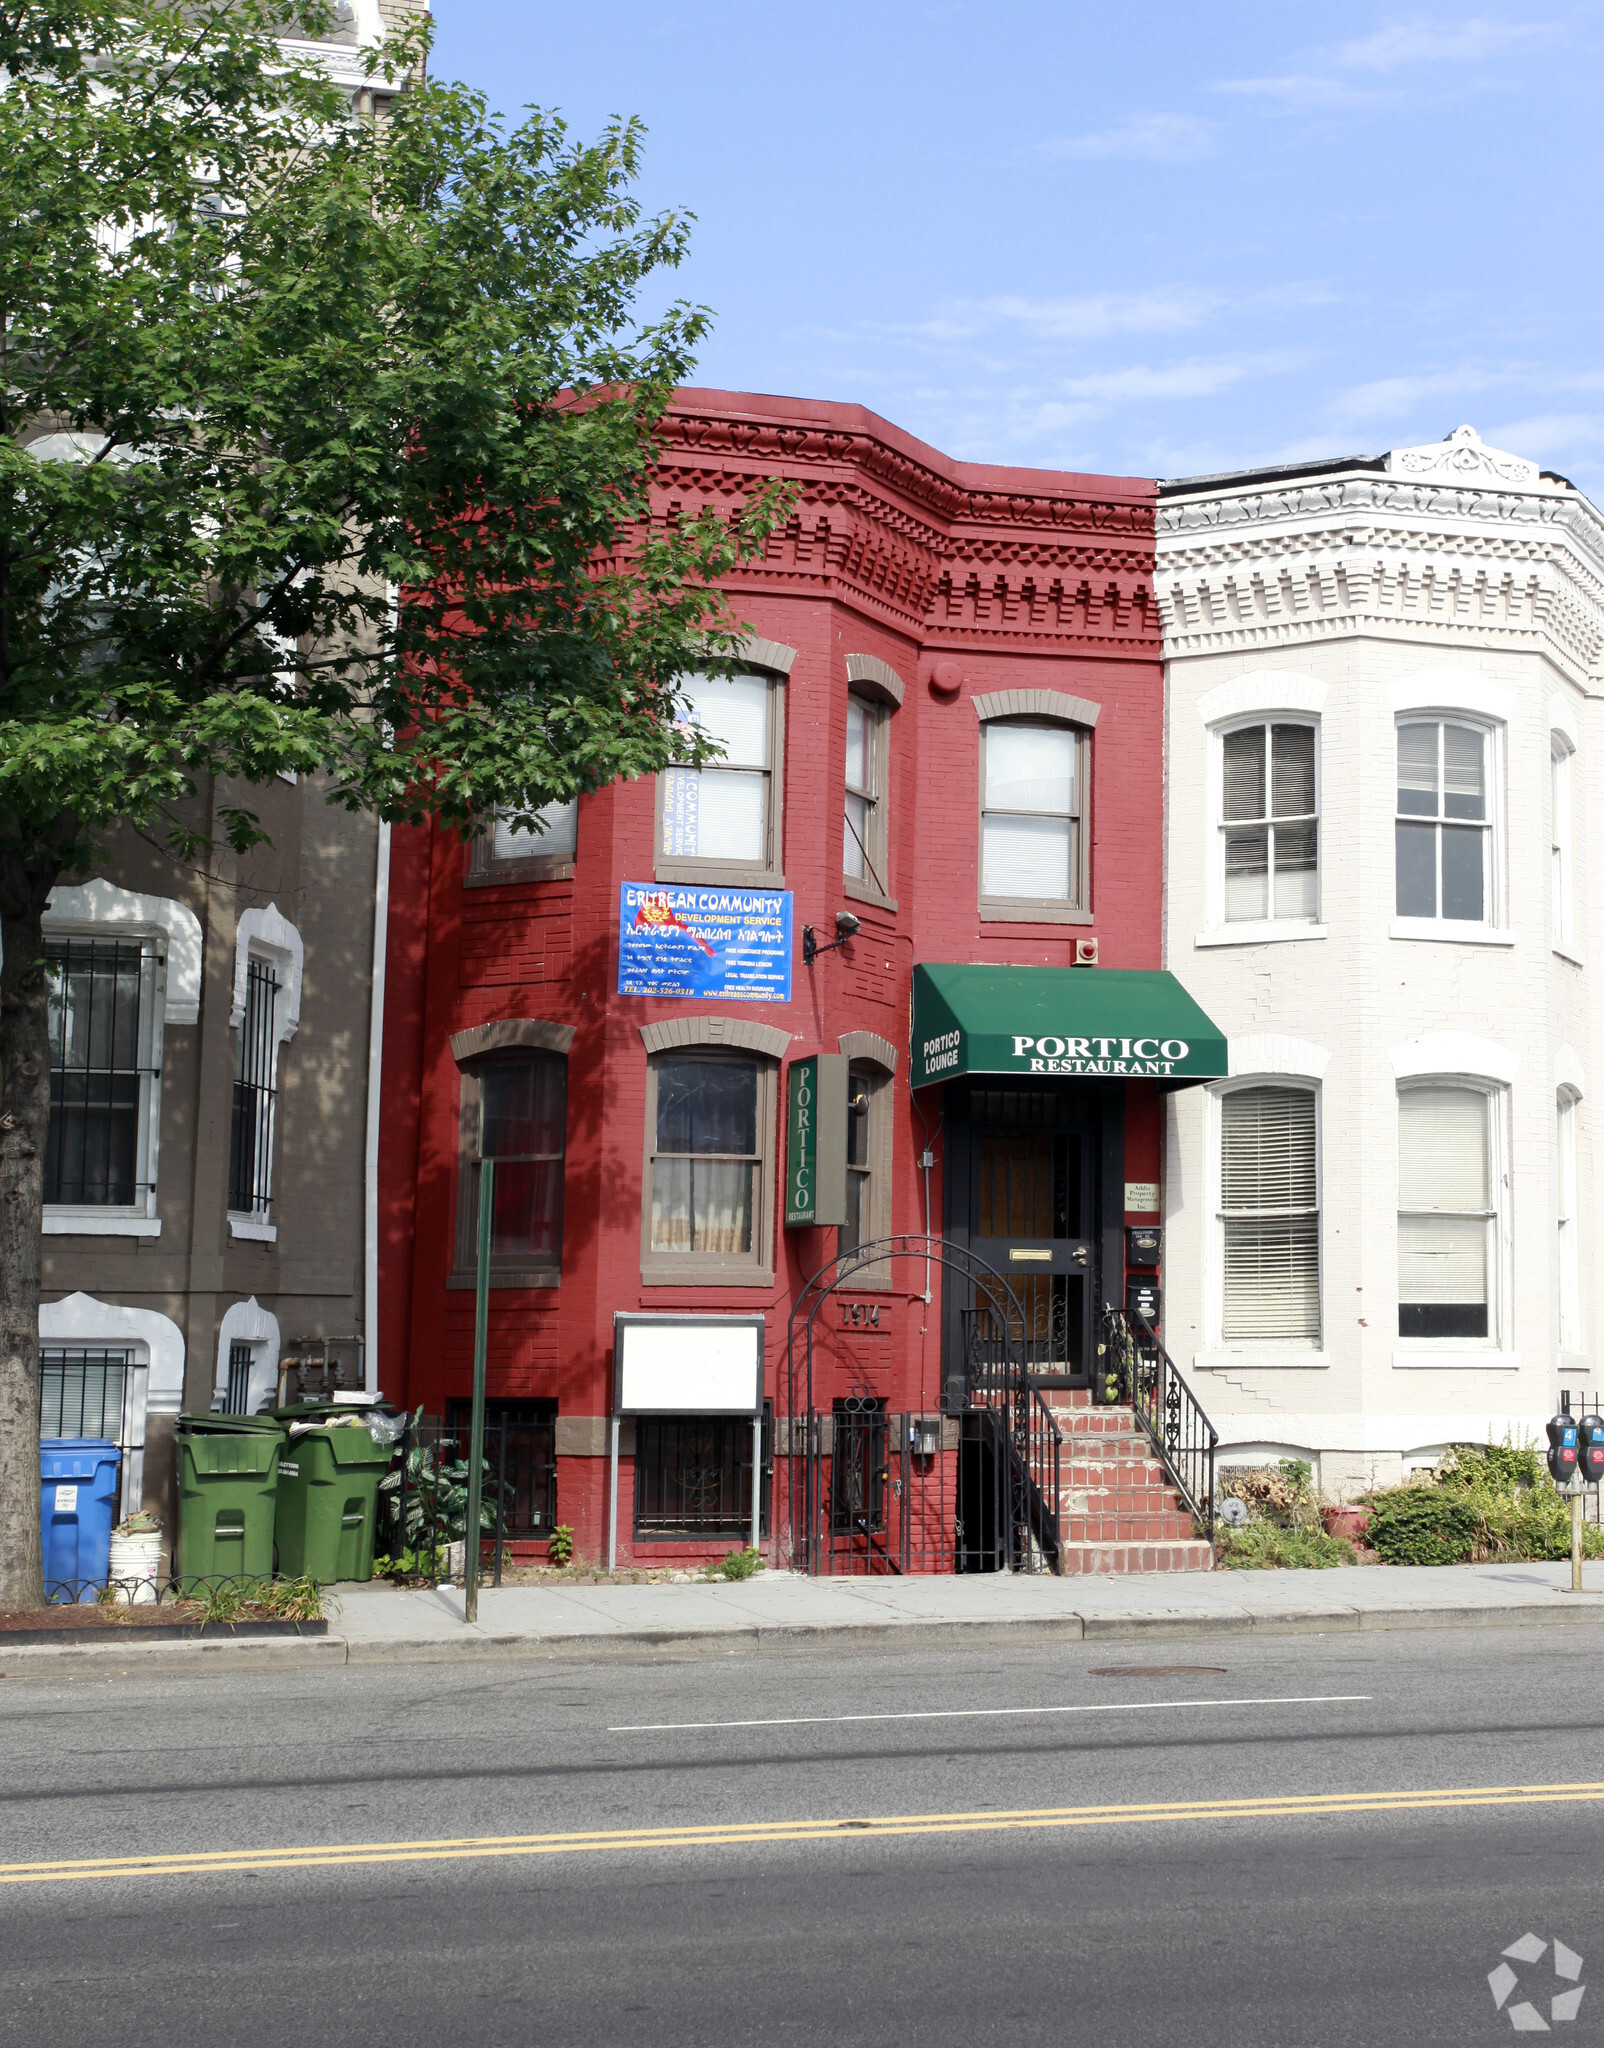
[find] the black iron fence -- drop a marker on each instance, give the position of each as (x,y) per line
(1028,1441)
(423,1498)
(1165,1407)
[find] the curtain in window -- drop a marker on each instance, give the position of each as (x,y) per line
(1270,1214)
(1444,1212)
(704,1175)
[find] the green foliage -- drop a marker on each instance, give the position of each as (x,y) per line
(1268,1546)
(1485,1503)
(435,1510)
(1423,1525)
(262,1600)
(737,1564)
(266,361)
(560,1550)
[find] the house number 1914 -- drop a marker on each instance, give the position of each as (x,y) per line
(858,1315)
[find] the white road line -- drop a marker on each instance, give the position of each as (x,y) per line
(1310,1699)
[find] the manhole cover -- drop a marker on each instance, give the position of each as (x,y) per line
(1160,1671)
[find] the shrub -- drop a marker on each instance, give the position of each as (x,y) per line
(739,1564)
(1265,1546)
(560,1550)
(1424,1525)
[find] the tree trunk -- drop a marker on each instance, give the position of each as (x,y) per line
(24,1128)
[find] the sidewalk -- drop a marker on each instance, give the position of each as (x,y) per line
(778,1611)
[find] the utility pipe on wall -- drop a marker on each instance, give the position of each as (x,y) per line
(370,1161)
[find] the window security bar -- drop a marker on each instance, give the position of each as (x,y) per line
(91,1392)
(100,1006)
(250,1154)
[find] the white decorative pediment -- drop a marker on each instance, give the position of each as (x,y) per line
(1465,458)
(81,1319)
(1453,1052)
(268,933)
(90,907)
(1273,1053)
(247,1322)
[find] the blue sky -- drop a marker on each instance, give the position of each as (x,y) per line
(1153,239)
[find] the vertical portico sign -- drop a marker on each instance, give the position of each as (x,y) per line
(816,1141)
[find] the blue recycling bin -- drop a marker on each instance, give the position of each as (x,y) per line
(77,1512)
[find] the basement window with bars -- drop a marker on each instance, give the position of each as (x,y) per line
(250,1151)
(1269,1215)
(102,1001)
(98,1391)
(693,1476)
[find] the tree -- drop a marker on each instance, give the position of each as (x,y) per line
(268,360)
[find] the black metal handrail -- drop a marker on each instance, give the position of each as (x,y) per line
(1181,1434)
(1000,1383)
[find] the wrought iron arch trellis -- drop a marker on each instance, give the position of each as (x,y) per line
(1026,1425)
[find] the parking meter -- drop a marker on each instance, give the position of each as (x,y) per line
(1562,1449)
(1590,1449)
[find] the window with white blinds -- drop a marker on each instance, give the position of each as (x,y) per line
(1270,1214)
(1447,1212)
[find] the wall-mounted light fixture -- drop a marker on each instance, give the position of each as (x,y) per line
(846,927)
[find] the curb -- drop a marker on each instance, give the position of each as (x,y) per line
(123,1659)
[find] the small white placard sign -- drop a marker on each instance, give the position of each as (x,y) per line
(1141,1196)
(66,1500)
(707,1367)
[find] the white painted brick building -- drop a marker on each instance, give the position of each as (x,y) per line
(1384,722)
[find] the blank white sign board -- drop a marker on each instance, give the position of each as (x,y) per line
(712,1366)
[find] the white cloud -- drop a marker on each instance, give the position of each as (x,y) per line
(1164,309)
(1548,435)
(1153,138)
(1469,42)
(1348,76)
(1200,377)
(1386,398)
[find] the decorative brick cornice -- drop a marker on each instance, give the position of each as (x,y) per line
(956,552)
(1437,561)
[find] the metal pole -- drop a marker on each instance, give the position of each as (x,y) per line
(476,1427)
(757,1479)
(501,1492)
(1576,1540)
(612,1518)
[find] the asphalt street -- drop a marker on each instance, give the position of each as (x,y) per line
(1295,1840)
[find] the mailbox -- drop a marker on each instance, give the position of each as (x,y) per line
(1144,1244)
(1562,1449)
(1590,1450)
(1142,1298)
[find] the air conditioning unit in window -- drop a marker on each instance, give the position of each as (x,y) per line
(1085,952)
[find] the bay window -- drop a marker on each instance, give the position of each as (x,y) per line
(1444,823)
(721,822)
(1269,827)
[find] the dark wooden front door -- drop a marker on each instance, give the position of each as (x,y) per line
(1032,1203)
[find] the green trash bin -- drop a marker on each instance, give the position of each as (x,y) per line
(227,1474)
(328,1500)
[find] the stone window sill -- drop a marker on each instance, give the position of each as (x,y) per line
(1444,1360)
(1273,1358)
(1446,931)
(252,1228)
(99,1223)
(1279,933)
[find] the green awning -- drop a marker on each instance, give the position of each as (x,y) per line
(1090,1021)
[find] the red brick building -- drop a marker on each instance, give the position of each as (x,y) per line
(950,730)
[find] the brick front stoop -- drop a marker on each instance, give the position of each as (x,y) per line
(1116,1510)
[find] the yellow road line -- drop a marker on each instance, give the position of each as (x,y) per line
(203,1862)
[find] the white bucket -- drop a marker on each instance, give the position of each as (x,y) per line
(134,1560)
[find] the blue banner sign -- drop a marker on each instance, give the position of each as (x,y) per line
(678,941)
